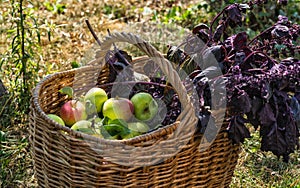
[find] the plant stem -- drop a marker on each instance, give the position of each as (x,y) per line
(92,31)
(23,58)
(213,21)
(260,52)
(118,52)
(260,35)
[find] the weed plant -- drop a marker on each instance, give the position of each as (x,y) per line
(19,66)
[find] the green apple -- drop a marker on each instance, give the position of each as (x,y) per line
(145,106)
(95,120)
(96,123)
(131,134)
(118,108)
(57,119)
(140,127)
(136,129)
(83,126)
(73,111)
(97,96)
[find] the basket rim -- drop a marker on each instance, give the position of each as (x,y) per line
(36,106)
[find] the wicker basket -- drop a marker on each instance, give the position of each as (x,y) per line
(168,157)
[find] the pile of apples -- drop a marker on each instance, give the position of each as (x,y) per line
(110,118)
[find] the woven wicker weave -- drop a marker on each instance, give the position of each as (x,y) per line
(167,157)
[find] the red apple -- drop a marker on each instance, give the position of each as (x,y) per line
(118,108)
(73,111)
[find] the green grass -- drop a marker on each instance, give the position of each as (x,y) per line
(16,163)
(262,169)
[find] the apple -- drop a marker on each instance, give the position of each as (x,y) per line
(57,119)
(73,111)
(136,129)
(83,126)
(96,124)
(118,108)
(145,106)
(97,96)
(131,134)
(140,127)
(95,120)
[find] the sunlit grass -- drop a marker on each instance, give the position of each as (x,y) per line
(263,169)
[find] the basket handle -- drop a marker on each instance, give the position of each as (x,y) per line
(156,56)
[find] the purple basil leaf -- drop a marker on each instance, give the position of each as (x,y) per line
(297,96)
(203,35)
(273,140)
(219,31)
(237,130)
(291,133)
(282,135)
(210,72)
(211,55)
(239,103)
(239,41)
(244,7)
(200,31)
(266,91)
(176,55)
(203,117)
(282,19)
(266,115)
(199,27)
(239,58)
(253,120)
(256,105)
(280,31)
(193,45)
(234,15)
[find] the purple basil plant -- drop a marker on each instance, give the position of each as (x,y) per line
(262,77)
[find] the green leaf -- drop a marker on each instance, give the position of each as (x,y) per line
(67,91)
(75,64)
(114,130)
(118,122)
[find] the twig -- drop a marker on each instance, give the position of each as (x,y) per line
(92,31)
(213,21)
(118,52)
(259,52)
(260,35)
